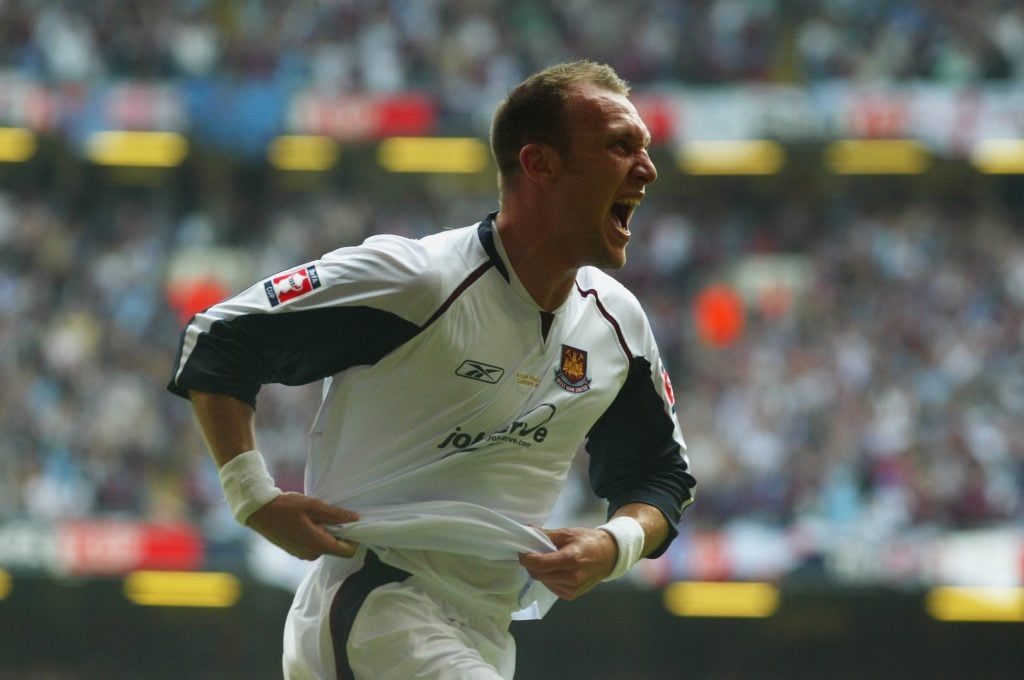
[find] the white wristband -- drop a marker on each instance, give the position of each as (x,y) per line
(247,484)
(629,536)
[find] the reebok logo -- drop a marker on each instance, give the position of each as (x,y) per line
(478,370)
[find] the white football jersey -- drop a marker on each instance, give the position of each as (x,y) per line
(447,387)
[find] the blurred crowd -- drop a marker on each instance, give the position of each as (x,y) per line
(882,393)
(889,396)
(465,48)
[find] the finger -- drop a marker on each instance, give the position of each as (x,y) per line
(558,536)
(554,583)
(297,550)
(544,562)
(555,578)
(565,577)
(322,513)
(342,548)
(531,563)
(561,591)
(536,574)
(526,559)
(329,544)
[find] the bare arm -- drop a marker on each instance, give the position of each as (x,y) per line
(292,521)
(585,557)
(227,424)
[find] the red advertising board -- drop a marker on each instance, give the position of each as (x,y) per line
(117,546)
(363,116)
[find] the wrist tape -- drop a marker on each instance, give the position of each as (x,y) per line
(629,536)
(247,484)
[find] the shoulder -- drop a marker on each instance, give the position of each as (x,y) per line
(406,275)
(610,292)
(399,259)
(384,255)
(387,272)
(617,304)
(461,245)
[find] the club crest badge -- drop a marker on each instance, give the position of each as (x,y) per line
(291,284)
(571,376)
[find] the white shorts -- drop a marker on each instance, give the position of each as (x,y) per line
(382,624)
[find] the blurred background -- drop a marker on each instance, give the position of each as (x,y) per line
(832,259)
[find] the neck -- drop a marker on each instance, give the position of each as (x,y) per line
(536,259)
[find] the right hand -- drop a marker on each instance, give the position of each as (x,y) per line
(295,523)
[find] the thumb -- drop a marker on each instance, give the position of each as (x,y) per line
(559,537)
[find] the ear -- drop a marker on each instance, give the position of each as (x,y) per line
(539,162)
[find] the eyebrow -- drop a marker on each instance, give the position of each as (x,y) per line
(633,132)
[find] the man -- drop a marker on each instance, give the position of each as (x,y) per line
(461,370)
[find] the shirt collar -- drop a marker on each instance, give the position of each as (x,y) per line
(488,240)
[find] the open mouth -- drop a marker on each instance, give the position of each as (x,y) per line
(622,211)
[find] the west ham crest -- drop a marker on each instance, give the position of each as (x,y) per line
(571,376)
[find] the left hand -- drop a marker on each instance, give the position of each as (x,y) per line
(584,557)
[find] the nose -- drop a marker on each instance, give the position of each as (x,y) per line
(645,169)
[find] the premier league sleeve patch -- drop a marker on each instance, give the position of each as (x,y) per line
(291,284)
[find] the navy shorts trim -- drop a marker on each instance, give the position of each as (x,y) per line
(349,599)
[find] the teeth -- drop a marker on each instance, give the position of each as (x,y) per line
(631,202)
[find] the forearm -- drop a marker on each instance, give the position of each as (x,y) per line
(291,521)
(227,424)
(651,520)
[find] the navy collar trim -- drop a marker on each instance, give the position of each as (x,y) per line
(486,234)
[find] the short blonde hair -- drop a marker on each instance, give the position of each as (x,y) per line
(536,111)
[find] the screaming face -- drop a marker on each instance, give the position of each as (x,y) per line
(606,173)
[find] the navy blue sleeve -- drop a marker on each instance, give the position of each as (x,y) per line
(635,455)
(239,355)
